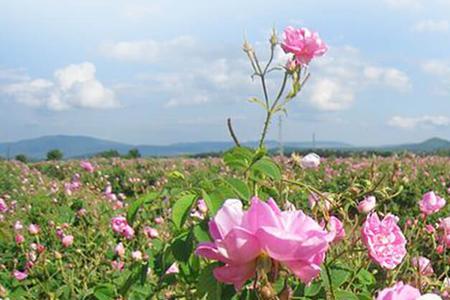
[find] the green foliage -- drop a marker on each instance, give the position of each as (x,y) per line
(54,154)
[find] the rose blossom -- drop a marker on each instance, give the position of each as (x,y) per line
(151,232)
(19,275)
(384,240)
(304,44)
(120,250)
(241,237)
(423,265)
(399,291)
(67,241)
(431,203)
(173,269)
(310,161)
(87,166)
(33,229)
(335,228)
(367,205)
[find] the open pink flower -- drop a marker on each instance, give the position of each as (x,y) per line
(87,166)
(384,240)
(423,265)
(20,275)
(399,291)
(240,237)
(67,241)
(431,203)
(304,44)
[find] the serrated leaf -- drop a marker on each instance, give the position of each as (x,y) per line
(134,207)
(239,187)
(267,167)
(181,209)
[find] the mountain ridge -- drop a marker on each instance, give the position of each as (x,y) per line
(84,146)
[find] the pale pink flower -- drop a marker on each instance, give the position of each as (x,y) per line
(120,250)
(159,220)
(240,237)
(151,232)
(87,166)
(304,44)
(201,206)
(384,240)
(314,199)
(399,291)
(431,203)
(118,223)
(33,229)
(367,205)
(20,275)
(335,228)
(67,241)
(117,265)
(3,206)
(18,226)
(128,232)
(310,161)
(19,239)
(423,265)
(136,255)
(173,269)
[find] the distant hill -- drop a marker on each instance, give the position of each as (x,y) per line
(83,146)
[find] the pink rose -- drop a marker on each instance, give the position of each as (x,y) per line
(384,240)
(335,228)
(367,205)
(304,44)
(151,232)
(67,241)
(173,269)
(310,161)
(19,275)
(241,237)
(431,203)
(423,265)
(118,223)
(3,206)
(120,250)
(87,166)
(399,291)
(19,239)
(33,229)
(136,255)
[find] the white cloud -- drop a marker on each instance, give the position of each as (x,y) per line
(149,51)
(343,74)
(331,95)
(73,86)
(440,69)
(424,121)
(431,26)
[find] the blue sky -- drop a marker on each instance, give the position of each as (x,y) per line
(158,72)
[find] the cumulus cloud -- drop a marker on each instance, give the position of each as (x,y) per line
(431,26)
(72,86)
(344,73)
(149,51)
(423,121)
(440,69)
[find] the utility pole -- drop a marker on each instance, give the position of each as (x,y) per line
(280,136)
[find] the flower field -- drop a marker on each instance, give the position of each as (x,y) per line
(138,229)
(245,225)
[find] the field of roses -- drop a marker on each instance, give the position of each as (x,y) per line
(247,225)
(167,229)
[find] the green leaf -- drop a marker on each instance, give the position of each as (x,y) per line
(365,277)
(181,209)
(104,292)
(201,232)
(213,203)
(345,295)
(239,187)
(268,167)
(313,289)
(182,247)
(238,158)
(134,207)
(207,285)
